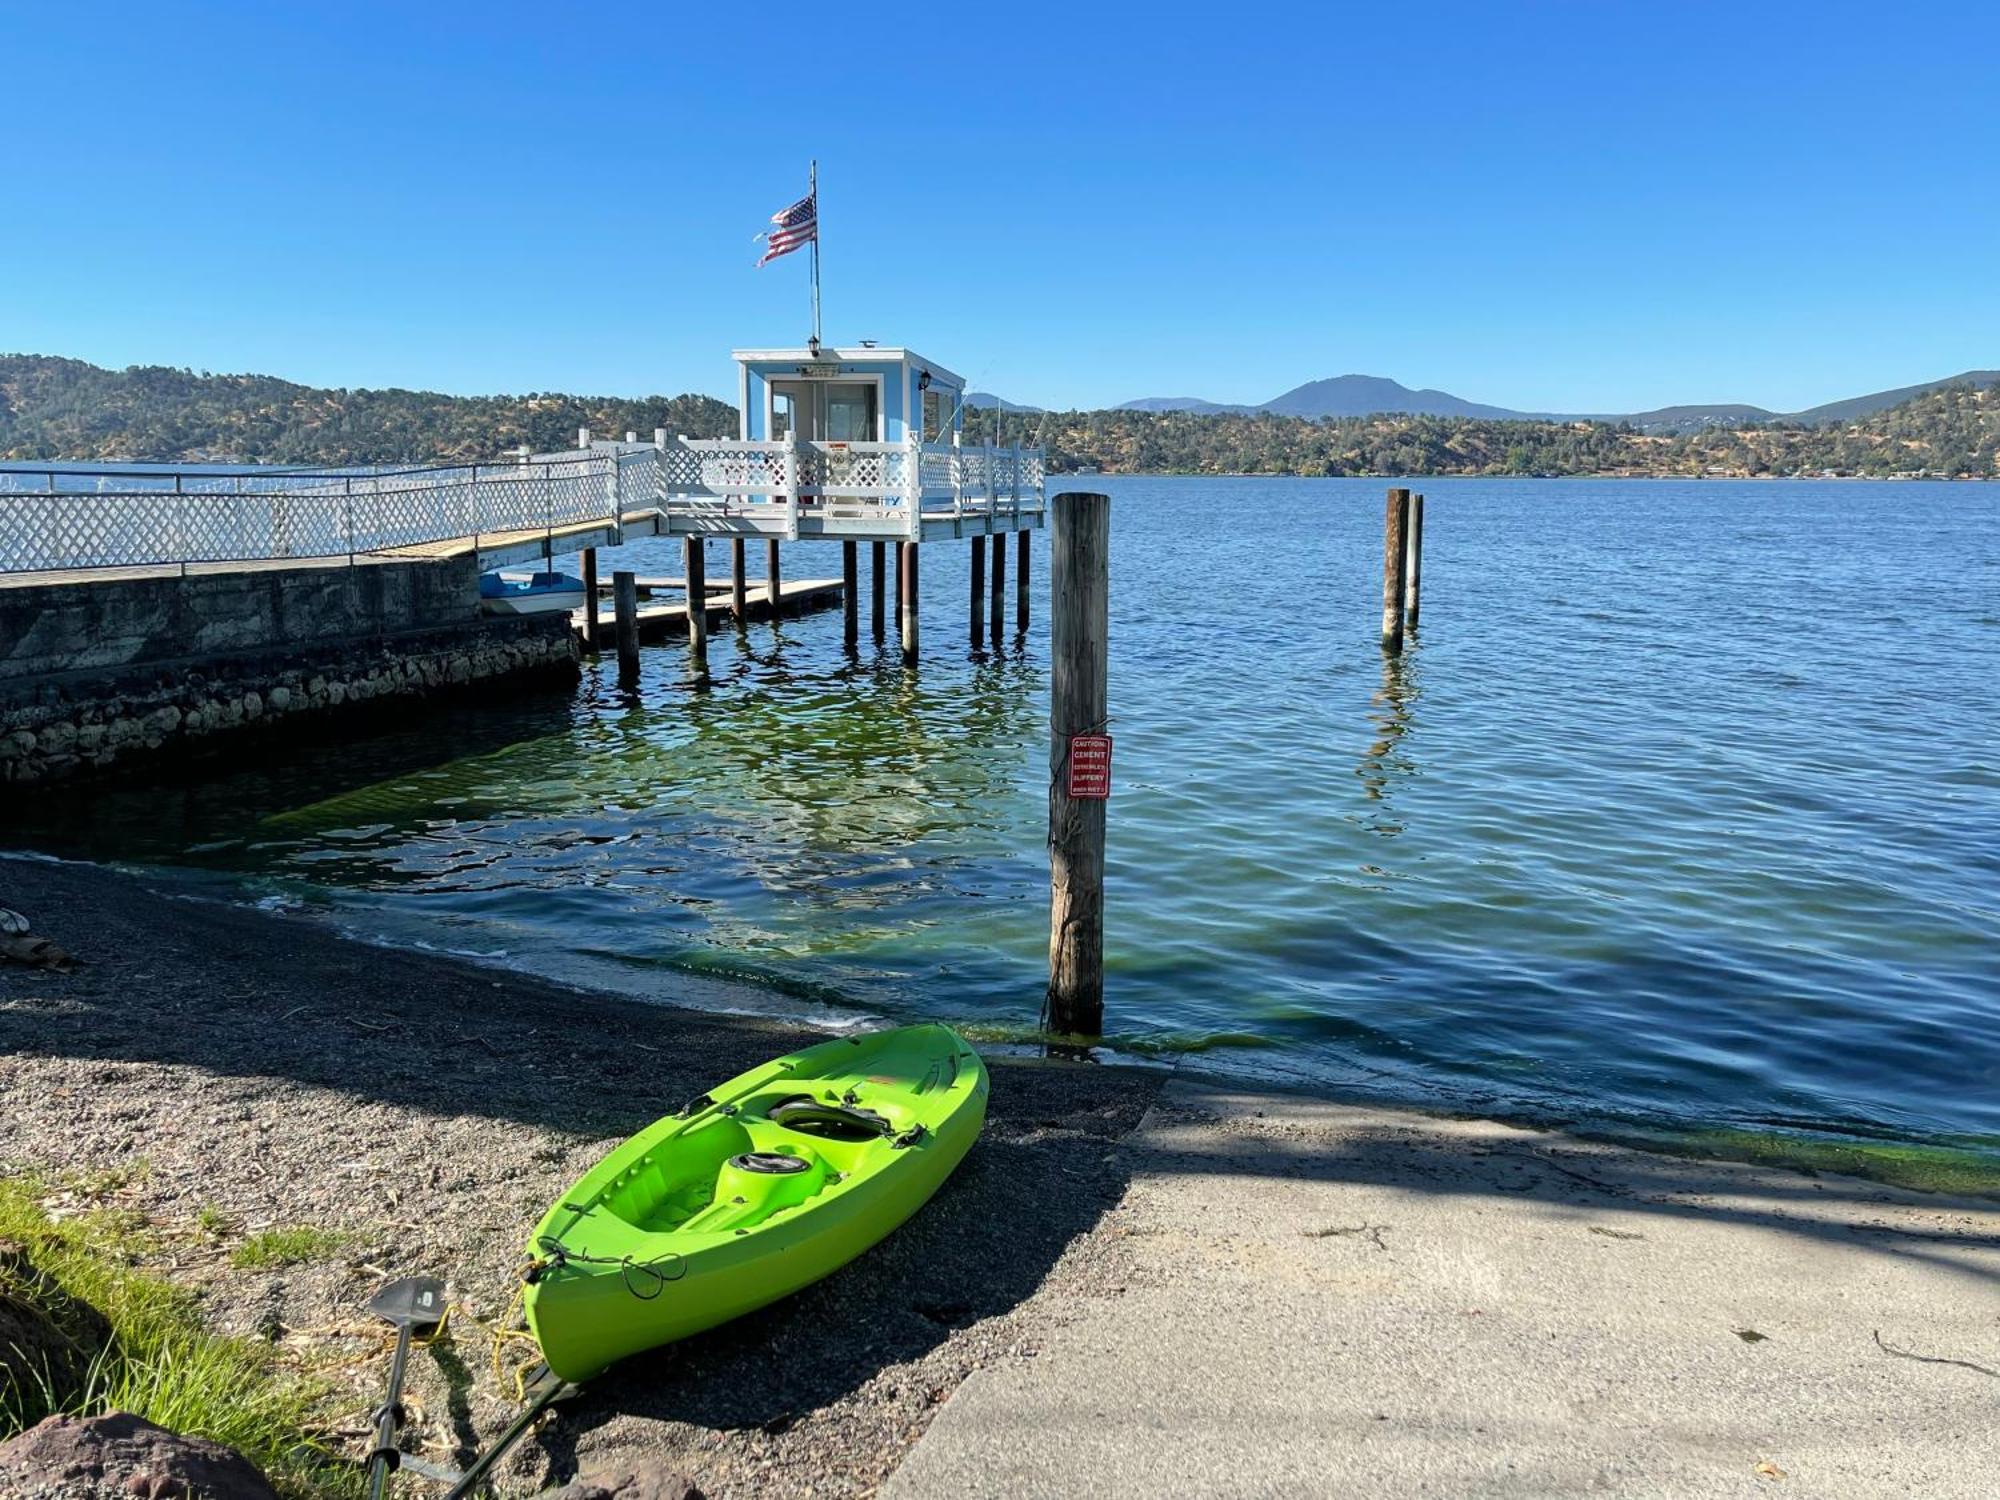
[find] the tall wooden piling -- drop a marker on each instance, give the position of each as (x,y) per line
(1413,586)
(1395,544)
(998,614)
(850,590)
(774,591)
(1021,582)
(739,603)
(875,560)
(977,614)
(1079,609)
(910,595)
(590,629)
(625,602)
(694,573)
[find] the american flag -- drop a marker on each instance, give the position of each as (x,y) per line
(793,227)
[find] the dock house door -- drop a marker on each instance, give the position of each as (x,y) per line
(825,411)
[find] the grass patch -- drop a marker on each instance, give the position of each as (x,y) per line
(163,1362)
(274,1249)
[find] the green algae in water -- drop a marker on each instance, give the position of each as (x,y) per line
(1958,1171)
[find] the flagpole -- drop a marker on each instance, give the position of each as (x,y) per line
(812,191)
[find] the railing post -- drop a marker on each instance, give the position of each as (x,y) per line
(913,490)
(991,458)
(347,514)
(583,438)
(1079,577)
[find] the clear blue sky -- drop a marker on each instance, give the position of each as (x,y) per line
(1598,206)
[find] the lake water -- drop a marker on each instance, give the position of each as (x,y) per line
(1683,808)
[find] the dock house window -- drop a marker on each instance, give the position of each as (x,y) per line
(936,414)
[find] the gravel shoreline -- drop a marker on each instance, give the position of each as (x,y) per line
(211,1064)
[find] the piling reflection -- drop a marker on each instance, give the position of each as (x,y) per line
(1393,712)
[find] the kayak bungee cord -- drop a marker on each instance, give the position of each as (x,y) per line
(555,1255)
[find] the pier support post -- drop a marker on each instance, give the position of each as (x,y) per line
(850,589)
(1021,583)
(997,620)
(625,601)
(590,631)
(978,610)
(774,589)
(876,551)
(694,572)
(1395,543)
(911,595)
(1413,589)
(1079,610)
(739,605)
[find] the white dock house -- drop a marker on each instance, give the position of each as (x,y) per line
(859,442)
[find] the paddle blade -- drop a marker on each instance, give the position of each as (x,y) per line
(415,1302)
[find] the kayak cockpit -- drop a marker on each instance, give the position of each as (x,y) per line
(733,1167)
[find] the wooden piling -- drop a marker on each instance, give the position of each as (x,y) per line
(773,591)
(590,627)
(876,551)
(1413,585)
(739,603)
(1079,608)
(911,595)
(625,601)
(1395,543)
(998,618)
(1021,583)
(694,572)
(850,590)
(977,613)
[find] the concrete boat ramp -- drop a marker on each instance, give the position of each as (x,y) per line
(1328,1300)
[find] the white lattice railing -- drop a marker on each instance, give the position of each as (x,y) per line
(60,519)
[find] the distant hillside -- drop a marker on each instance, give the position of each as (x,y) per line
(1863,406)
(1179,403)
(1373,395)
(66,409)
(1366,395)
(1952,431)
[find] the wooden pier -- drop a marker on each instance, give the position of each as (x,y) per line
(662,619)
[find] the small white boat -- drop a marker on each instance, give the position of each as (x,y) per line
(529,593)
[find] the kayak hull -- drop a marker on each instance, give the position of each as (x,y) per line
(765,1185)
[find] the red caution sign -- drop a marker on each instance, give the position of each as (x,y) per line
(1090,766)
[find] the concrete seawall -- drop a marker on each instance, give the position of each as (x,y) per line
(98,673)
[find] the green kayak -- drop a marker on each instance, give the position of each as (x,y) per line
(757,1188)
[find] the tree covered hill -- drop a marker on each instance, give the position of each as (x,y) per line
(1953,430)
(66,409)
